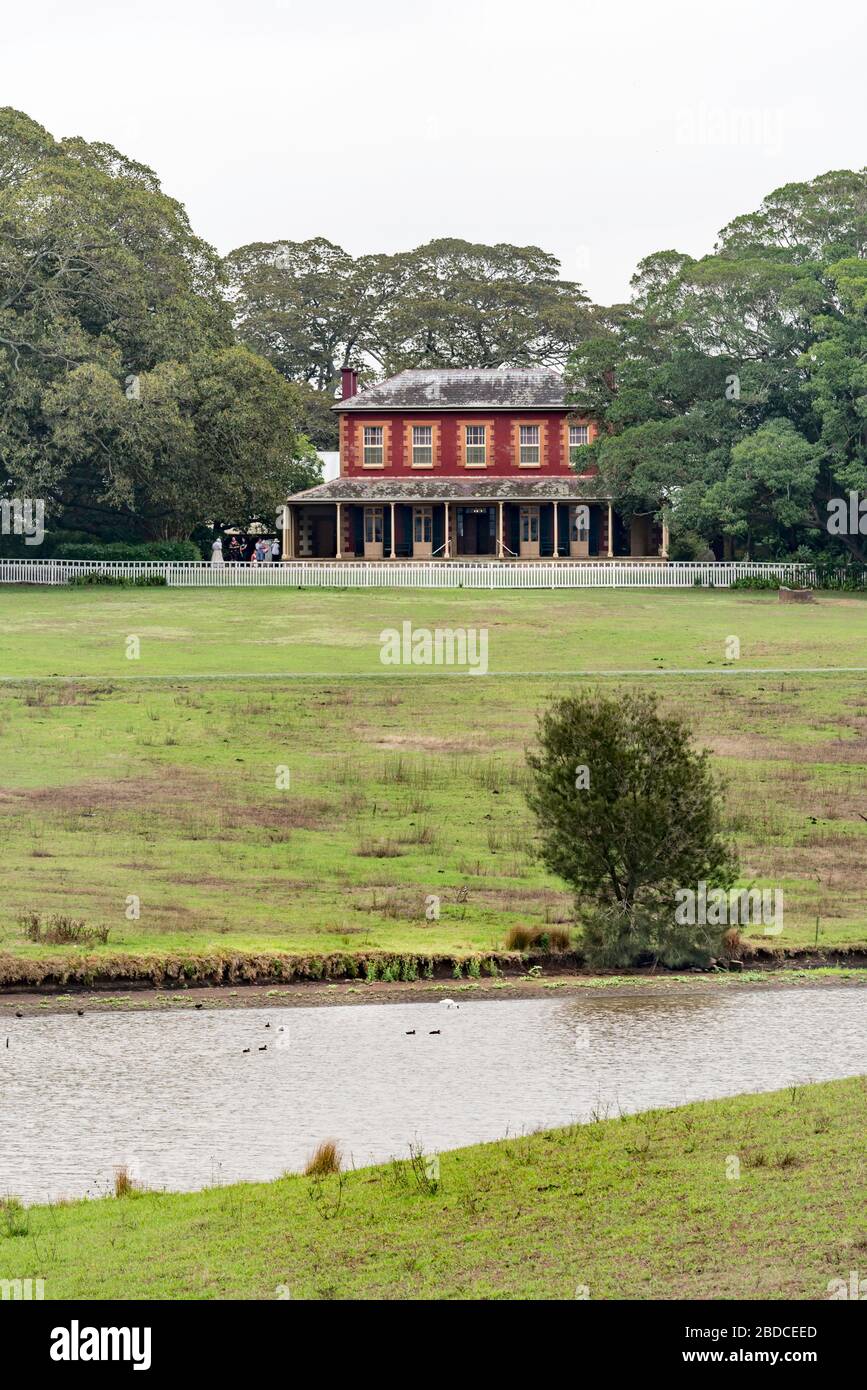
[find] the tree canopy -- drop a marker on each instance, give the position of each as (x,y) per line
(628,813)
(125,402)
(311,309)
(733,389)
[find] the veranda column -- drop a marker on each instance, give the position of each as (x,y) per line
(556,544)
(664,551)
(339,534)
(501,554)
(393,555)
(447,555)
(287,533)
(610,531)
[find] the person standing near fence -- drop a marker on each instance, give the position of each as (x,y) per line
(217,551)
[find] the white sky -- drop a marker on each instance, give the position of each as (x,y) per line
(599,131)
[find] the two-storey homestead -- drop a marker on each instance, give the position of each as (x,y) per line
(463,464)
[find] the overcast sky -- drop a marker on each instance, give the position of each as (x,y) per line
(600,131)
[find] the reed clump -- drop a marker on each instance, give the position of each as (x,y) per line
(325,1159)
(550,940)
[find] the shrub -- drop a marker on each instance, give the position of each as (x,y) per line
(756,581)
(128,550)
(849,577)
(117,581)
(618,935)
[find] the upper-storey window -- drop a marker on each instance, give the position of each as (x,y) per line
(528,446)
(422,446)
(476,445)
(373,448)
(578,437)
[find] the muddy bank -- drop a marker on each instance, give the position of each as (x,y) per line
(306,994)
(52,973)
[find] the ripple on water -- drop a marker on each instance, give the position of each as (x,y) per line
(176,1098)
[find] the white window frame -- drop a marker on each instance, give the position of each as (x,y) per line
(475,447)
(422,454)
(529,447)
(577,443)
(370,450)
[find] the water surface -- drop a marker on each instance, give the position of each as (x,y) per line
(175,1096)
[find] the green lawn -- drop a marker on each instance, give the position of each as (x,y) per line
(244,632)
(142,781)
(643,1207)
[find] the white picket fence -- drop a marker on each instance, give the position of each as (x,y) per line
(416,574)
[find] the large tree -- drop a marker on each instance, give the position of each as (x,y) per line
(200,439)
(311,309)
(115,334)
(468,305)
(308,306)
(731,387)
(628,813)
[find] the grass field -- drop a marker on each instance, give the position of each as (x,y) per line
(155,777)
(634,1207)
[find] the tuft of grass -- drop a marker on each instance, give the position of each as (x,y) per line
(325,1159)
(61,930)
(379,849)
(14,1217)
(123,1183)
(551,940)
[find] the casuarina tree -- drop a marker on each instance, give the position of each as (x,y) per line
(628,812)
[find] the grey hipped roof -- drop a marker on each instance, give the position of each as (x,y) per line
(468,388)
(451,489)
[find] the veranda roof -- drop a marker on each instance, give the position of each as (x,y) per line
(449,489)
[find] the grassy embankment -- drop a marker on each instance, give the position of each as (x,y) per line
(631,1208)
(156,777)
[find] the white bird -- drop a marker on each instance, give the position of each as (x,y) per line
(449,1004)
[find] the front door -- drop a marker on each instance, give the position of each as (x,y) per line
(579,532)
(324,537)
(529,533)
(422,533)
(373,533)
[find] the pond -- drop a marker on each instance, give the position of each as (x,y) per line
(179,1099)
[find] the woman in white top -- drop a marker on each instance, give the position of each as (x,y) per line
(217,551)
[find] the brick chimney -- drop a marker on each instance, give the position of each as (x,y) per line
(348,382)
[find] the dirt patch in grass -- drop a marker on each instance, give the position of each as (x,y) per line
(70,693)
(745,746)
(188,800)
(102,794)
(424,743)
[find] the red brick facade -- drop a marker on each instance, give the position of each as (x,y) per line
(502,450)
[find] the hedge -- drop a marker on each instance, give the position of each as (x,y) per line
(125,550)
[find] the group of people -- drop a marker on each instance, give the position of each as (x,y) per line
(243,550)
